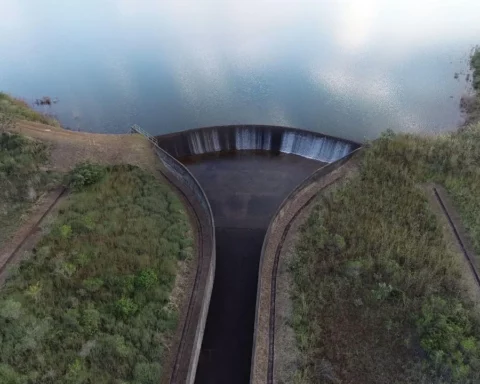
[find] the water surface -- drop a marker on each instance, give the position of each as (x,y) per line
(348,68)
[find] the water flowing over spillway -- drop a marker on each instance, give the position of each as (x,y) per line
(306,144)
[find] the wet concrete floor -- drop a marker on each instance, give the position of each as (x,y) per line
(244,190)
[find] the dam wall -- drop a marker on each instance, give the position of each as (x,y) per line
(307,144)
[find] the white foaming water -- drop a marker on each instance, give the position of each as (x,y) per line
(251,138)
(323,149)
(201,142)
(303,144)
(216,141)
(195,143)
(244,139)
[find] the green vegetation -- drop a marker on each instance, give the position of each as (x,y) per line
(93,303)
(11,107)
(472,104)
(475,63)
(378,296)
(21,178)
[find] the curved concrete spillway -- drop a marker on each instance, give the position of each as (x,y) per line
(246,172)
(307,144)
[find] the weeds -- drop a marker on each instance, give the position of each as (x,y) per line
(19,109)
(471,104)
(377,294)
(90,305)
(21,178)
(475,63)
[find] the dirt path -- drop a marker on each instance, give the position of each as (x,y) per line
(25,238)
(456,238)
(69,148)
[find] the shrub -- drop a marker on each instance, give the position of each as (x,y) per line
(9,376)
(146,279)
(65,231)
(447,335)
(93,284)
(90,321)
(10,309)
(125,307)
(86,174)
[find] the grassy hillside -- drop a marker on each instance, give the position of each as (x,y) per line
(377,296)
(475,62)
(472,105)
(21,178)
(92,304)
(18,109)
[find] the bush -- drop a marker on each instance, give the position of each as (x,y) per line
(9,376)
(125,307)
(447,335)
(146,279)
(86,174)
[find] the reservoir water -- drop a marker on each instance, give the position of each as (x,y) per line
(345,68)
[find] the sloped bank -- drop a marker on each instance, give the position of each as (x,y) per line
(98,286)
(184,359)
(182,367)
(265,354)
(380,294)
(246,171)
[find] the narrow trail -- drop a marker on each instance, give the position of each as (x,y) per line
(458,231)
(26,237)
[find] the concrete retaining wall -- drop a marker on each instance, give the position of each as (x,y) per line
(262,370)
(185,359)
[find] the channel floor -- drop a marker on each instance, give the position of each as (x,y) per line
(244,189)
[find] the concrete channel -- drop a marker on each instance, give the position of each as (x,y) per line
(246,172)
